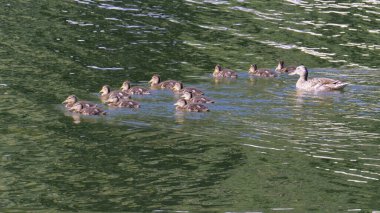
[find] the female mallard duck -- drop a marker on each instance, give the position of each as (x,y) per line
(155,82)
(126,87)
(178,87)
(182,105)
(116,101)
(188,96)
(220,72)
(261,72)
(106,92)
(281,67)
(79,108)
(72,99)
(315,84)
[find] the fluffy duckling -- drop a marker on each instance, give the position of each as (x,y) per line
(188,96)
(281,67)
(106,92)
(155,82)
(261,72)
(116,101)
(178,87)
(79,108)
(126,87)
(72,99)
(315,84)
(220,72)
(182,105)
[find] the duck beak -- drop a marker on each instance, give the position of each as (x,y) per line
(64,102)
(176,104)
(151,80)
(292,73)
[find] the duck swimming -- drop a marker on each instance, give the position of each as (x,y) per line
(261,72)
(220,72)
(182,105)
(126,87)
(106,92)
(178,87)
(281,67)
(116,101)
(315,84)
(72,99)
(155,82)
(188,96)
(79,108)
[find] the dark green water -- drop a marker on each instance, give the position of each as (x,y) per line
(264,146)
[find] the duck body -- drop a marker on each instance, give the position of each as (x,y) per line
(178,88)
(116,101)
(316,84)
(266,73)
(182,105)
(188,96)
(155,82)
(126,87)
(281,68)
(72,99)
(79,108)
(220,72)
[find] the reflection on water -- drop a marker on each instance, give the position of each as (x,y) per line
(264,146)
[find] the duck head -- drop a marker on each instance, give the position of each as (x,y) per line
(252,68)
(280,66)
(177,86)
(301,71)
(70,99)
(187,95)
(105,90)
(180,102)
(126,85)
(218,68)
(155,80)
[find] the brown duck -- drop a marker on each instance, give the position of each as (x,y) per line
(126,87)
(281,67)
(261,72)
(220,72)
(155,82)
(182,105)
(79,108)
(72,99)
(178,88)
(188,96)
(116,101)
(106,92)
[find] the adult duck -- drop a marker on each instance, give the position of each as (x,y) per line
(220,72)
(315,84)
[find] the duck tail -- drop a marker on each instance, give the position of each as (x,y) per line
(338,86)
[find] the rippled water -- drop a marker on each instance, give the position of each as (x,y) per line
(264,146)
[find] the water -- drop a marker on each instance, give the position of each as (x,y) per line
(263,147)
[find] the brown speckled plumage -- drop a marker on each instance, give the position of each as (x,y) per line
(178,88)
(155,82)
(72,99)
(220,72)
(126,87)
(188,96)
(79,108)
(182,105)
(266,73)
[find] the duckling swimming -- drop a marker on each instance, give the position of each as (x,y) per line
(220,72)
(188,96)
(72,99)
(106,92)
(315,84)
(182,105)
(79,108)
(155,82)
(261,72)
(116,101)
(281,67)
(178,87)
(126,87)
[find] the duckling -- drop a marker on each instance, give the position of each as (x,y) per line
(178,87)
(220,72)
(126,87)
(79,108)
(106,92)
(116,101)
(182,105)
(188,96)
(72,99)
(281,67)
(155,82)
(261,72)
(315,84)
